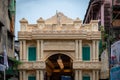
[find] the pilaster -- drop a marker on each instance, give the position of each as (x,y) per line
(41,45)
(76,74)
(97,50)
(41,75)
(80,75)
(37,75)
(93,47)
(97,75)
(24,75)
(38,50)
(21,75)
(21,50)
(80,50)
(94,75)
(76,49)
(24,51)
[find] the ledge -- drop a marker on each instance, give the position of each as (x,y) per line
(86,65)
(32,65)
(59,35)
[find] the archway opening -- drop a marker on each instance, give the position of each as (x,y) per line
(59,67)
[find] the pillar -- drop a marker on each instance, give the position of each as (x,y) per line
(37,75)
(21,50)
(24,51)
(97,50)
(94,75)
(76,49)
(80,50)
(24,75)
(80,75)
(38,50)
(93,51)
(41,51)
(21,75)
(97,75)
(41,75)
(76,75)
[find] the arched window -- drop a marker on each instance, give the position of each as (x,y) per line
(86,77)
(31,53)
(86,53)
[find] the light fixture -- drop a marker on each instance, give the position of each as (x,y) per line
(60,63)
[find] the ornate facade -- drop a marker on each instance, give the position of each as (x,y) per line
(59,34)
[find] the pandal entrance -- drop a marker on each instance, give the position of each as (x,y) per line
(59,67)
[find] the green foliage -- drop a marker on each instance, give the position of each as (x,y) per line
(105,37)
(15,63)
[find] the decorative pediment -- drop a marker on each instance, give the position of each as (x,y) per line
(59,18)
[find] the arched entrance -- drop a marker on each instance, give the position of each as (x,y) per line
(59,67)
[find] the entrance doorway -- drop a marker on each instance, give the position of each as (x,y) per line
(59,67)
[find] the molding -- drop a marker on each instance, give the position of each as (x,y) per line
(32,65)
(59,35)
(86,65)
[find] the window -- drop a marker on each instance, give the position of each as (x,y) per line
(86,53)
(86,77)
(31,78)
(32,53)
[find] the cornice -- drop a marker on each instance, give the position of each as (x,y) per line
(59,35)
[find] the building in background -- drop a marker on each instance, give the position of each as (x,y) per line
(7,26)
(108,14)
(116,19)
(101,10)
(59,48)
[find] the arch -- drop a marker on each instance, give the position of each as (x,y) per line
(59,65)
(50,54)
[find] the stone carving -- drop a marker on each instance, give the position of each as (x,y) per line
(32,65)
(86,65)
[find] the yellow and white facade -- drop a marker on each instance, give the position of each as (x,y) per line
(59,34)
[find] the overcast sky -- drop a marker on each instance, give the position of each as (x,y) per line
(32,10)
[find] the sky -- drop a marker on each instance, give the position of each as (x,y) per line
(32,10)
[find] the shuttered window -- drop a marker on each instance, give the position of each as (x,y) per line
(32,53)
(31,78)
(86,78)
(86,53)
